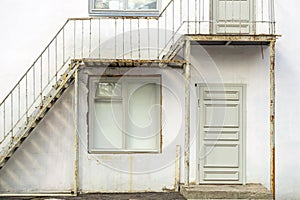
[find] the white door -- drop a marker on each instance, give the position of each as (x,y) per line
(221,143)
(232,16)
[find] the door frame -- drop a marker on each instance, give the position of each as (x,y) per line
(242,136)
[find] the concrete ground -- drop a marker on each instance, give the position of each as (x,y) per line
(118,196)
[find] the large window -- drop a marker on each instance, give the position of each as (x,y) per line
(124,114)
(124,7)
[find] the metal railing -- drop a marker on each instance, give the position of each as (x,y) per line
(135,38)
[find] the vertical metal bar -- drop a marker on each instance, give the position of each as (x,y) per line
(74,39)
(272,117)
(48,65)
(187,112)
(188,16)
(56,64)
(115,38)
(240,17)
(262,11)
(131,38)
(76,161)
(99,38)
(64,47)
(148,30)
(26,96)
(158,38)
(33,82)
(19,101)
(173,22)
(225,7)
(139,39)
(166,28)
(181,11)
(272,17)
(123,40)
(90,37)
(41,79)
(4,118)
(12,115)
(82,37)
(195,16)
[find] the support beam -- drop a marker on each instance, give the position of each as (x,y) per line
(75,190)
(272,117)
(187,112)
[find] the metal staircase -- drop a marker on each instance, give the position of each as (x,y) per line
(151,39)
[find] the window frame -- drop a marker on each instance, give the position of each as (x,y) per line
(94,79)
(125,12)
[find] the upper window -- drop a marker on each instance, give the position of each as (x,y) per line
(124,114)
(124,7)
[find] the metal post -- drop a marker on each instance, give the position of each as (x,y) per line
(272,117)
(187,112)
(75,132)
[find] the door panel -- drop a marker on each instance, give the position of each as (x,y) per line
(221,135)
(232,16)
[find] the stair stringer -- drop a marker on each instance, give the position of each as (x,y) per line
(49,100)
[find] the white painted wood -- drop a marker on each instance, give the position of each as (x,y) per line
(221,146)
(232,16)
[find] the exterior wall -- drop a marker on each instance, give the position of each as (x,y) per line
(224,64)
(45,161)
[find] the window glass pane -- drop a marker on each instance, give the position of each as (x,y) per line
(107,125)
(109,4)
(108,90)
(143,118)
(142,4)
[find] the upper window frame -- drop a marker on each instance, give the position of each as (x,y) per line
(124,13)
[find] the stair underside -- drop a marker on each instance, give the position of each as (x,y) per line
(248,191)
(49,100)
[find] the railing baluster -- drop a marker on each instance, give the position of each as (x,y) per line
(165,28)
(139,39)
(56,64)
(173,23)
(188,16)
(12,116)
(74,43)
(26,96)
(4,121)
(41,84)
(148,33)
(195,16)
(123,40)
(158,38)
(64,50)
(19,101)
(131,38)
(99,20)
(48,65)
(115,38)
(90,38)
(82,37)
(33,81)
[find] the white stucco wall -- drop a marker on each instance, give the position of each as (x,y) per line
(27,26)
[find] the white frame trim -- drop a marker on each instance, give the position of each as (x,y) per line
(140,78)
